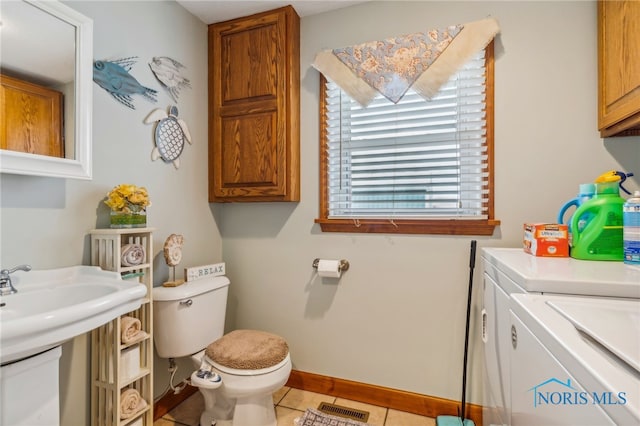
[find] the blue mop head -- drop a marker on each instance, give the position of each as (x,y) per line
(453,421)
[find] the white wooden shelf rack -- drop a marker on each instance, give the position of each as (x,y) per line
(116,367)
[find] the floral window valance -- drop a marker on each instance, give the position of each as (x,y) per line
(423,61)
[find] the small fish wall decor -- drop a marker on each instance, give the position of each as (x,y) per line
(114,77)
(167,71)
(170,134)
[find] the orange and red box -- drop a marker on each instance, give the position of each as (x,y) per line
(546,239)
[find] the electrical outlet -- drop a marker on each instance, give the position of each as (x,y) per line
(198,272)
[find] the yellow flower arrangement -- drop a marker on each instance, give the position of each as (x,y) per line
(127,198)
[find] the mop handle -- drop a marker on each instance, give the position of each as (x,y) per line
(472,256)
(472,263)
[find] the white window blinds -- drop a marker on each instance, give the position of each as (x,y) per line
(416,159)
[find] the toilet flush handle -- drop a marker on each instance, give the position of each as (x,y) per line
(187,302)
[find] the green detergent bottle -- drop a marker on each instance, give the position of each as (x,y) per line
(601,238)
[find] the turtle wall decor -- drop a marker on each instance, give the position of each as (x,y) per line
(170,134)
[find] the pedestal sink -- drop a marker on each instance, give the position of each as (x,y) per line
(51,307)
(56,305)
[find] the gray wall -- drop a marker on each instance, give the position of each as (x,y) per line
(396,318)
(45,221)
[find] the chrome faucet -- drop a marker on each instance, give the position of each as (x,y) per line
(6,287)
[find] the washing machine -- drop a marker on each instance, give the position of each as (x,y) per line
(508,272)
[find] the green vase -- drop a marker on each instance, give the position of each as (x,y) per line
(128,220)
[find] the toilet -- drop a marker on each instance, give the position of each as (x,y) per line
(237,373)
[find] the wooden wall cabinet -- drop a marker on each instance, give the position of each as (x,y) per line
(31,118)
(619,68)
(254,104)
(113,368)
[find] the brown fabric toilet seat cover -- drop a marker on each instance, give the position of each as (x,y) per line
(248,350)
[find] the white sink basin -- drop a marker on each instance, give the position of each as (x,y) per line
(53,306)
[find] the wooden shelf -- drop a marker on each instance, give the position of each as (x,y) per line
(131,344)
(107,366)
(135,268)
(143,372)
(137,416)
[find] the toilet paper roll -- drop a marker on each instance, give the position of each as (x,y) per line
(329,268)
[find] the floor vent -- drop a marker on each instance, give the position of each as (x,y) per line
(349,413)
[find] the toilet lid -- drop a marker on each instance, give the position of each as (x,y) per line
(248,350)
(237,372)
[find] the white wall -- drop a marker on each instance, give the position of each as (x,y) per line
(45,221)
(396,318)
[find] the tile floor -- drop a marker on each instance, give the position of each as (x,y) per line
(291,403)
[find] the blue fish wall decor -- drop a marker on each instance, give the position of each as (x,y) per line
(114,77)
(167,71)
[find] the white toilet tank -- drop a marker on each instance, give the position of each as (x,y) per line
(187,318)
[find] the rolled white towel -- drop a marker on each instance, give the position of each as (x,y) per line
(130,329)
(132,255)
(131,403)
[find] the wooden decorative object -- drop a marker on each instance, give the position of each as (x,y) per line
(173,255)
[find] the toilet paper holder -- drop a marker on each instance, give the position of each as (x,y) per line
(343,266)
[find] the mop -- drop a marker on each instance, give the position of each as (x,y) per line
(460,420)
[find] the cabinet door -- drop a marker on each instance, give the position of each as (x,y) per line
(619,67)
(254,100)
(31,118)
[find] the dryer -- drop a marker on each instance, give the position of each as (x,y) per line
(510,271)
(576,360)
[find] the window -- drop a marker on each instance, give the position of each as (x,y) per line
(415,167)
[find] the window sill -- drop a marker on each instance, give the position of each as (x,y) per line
(435,227)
